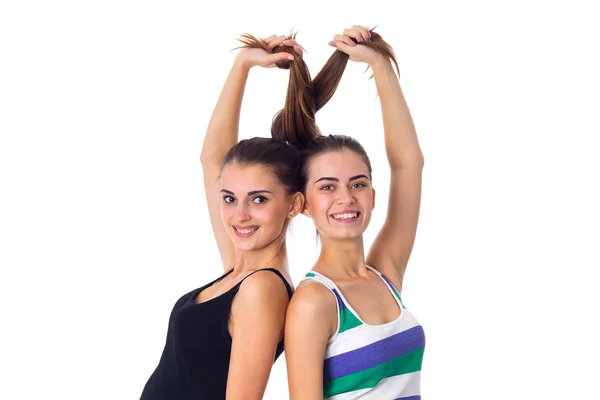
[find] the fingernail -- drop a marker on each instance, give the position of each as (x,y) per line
(290,58)
(332,44)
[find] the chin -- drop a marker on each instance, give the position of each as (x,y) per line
(251,245)
(246,245)
(345,234)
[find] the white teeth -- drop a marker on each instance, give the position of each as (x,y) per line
(345,215)
(245,230)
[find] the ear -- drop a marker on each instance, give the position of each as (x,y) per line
(297,205)
(306,212)
(373,198)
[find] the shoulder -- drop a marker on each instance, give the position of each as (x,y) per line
(312,314)
(263,287)
(260,304)
(310,291)
(312,300)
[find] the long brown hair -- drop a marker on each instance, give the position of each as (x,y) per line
(295,123)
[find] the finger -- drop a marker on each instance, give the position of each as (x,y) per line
(368,31)
(341,46)
(364,36)
(363,31)
(344,39)
(277,41)
(268,40)
(276,57)
(295,45)
(353,33)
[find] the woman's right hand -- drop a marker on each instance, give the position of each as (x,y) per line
(347,43)
(251,57)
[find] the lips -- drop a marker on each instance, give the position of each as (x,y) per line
(245,231)
(346,216)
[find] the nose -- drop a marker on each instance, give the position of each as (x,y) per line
(345,197)
(242,214)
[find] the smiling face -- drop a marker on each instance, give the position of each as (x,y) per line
(339,195)
(255,206)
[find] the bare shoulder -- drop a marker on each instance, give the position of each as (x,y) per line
(312,301)
(263,286)
(313,294)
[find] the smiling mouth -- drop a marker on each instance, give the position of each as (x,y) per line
(244,231)
(346,217)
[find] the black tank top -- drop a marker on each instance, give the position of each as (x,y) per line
(195,361)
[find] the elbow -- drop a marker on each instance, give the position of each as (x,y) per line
(209,158)
(416,160)
(421,160)
(206,154)
(213,154)
(203,157)
(412,162)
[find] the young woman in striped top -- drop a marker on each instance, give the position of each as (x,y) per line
(348,335)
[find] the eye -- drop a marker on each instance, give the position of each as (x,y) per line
(259,200)
(359,185)
(327,188)
(229,199)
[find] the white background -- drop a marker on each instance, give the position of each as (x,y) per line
(103,221)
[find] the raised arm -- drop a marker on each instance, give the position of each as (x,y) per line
(392,247)
(222,134)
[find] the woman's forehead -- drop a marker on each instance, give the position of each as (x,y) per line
(338,164)
(248,176)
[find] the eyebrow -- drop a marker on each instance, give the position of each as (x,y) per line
(329,178)
(252,193)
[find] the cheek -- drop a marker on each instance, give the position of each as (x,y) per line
(273,214)
(319,204)
(366,198)
(226,212)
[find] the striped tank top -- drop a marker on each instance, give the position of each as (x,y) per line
(363,361)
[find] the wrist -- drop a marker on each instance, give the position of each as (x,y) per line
(379,62)
(241,64)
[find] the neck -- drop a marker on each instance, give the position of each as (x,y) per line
(274,255)
(341,259)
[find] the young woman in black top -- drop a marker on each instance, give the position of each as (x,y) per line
(224,337)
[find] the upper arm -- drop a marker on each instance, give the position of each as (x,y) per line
(394,242)
(212,187)
(309,325)
(258,317)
